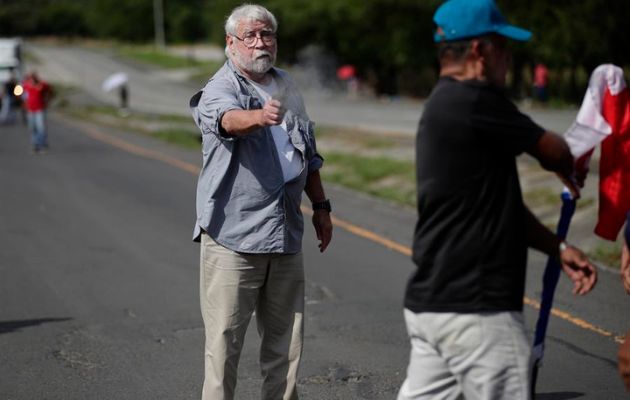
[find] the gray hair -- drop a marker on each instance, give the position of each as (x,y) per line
(456,50)
(253,12)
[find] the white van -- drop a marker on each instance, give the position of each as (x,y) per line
(10,59)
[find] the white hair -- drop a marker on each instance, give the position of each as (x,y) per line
(253,12)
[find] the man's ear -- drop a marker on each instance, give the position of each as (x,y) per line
(476,47)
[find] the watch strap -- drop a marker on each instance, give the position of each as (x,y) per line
(322,205)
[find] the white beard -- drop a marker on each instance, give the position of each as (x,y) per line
(257,63)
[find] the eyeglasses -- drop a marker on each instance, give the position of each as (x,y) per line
(249,40)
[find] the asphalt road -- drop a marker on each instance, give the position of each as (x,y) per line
(98,296)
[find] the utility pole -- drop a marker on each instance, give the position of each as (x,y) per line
(158,19)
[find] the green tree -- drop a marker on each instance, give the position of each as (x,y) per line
(389,41)
(383,38)
(125,20)
(63,18)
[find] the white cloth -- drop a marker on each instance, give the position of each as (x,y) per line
(290,160)
(455,356)
(590,128)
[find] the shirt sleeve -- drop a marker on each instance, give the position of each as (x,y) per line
(498,120)
(211,103)
(315,160)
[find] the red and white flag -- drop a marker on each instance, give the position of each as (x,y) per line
(604,117)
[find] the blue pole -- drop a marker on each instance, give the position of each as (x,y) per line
(550,281)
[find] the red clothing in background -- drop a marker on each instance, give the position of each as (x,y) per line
(541,75)
(37,94)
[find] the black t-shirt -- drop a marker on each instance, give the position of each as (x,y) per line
(469,244)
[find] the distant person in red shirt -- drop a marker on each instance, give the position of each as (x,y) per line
(541,79)
(37,94)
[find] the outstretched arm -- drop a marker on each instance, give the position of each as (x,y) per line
(242,122)
(553,153)
(573,261)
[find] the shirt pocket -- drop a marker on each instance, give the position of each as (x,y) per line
(249,102)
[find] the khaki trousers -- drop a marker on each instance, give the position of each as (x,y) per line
(233,286)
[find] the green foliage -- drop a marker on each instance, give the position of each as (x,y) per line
(185,24)
(382,37)
(66,18)
(14,20)
(130,20)
(389,41)
(45,17)
(607,253)
(572,38)
(181,137)
(168,128)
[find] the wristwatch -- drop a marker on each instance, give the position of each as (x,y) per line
(322,205)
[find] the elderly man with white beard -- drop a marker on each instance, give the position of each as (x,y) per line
(259,155)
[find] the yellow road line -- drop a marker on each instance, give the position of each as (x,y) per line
(139,150)
(354,229)
(575,321)
(364,233)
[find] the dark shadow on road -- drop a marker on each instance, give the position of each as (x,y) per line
(12,326)
(570,346)
(558,396)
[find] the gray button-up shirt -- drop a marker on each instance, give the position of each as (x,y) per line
(243,202)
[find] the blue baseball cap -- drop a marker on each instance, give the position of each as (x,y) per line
(463,19)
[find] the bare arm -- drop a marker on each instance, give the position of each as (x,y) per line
(314,188)
(540,237)
(321,218)
(242,122)
(553,153)
(573,261)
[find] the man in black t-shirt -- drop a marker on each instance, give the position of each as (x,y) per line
(463,306)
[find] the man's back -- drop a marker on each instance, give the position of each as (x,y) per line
(469,198)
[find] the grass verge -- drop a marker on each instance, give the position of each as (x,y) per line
(606,253)
(172,129)
(379,176)
(150,55)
